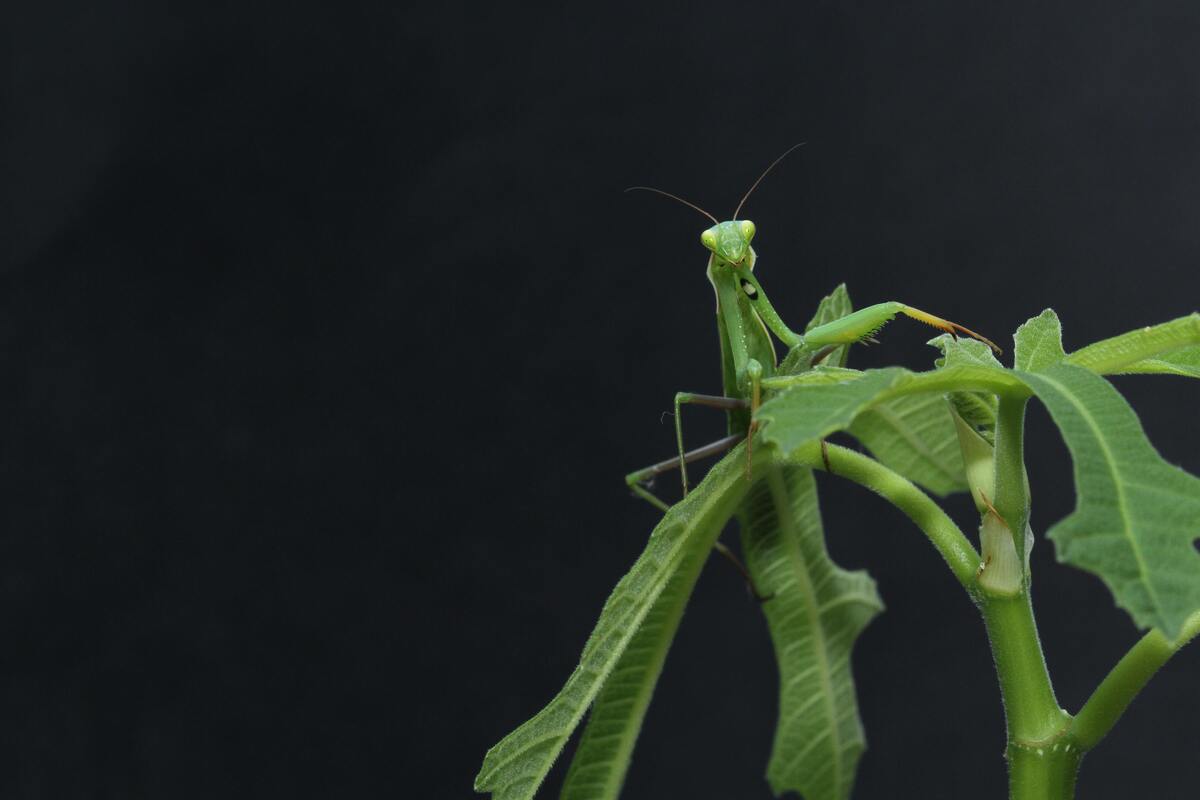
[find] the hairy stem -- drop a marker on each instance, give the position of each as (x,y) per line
(1125,681)
(1043,773)
(1012,485)
(941,531)
(1042,760)
(1031,711)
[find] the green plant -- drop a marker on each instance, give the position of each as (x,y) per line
(957,427)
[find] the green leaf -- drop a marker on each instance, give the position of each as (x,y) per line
(816,611)
(1039,343)
(819,374)
(1184,362)
(514,768)
(1171,348)
(601,760)
(1136,517)
(914,435)
(963,352)
(978,409)
(803,413)
(805,408)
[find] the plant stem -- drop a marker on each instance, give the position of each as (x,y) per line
(1043,773)
(941,531)
(1012,485)
(1030,709)
(1045,745)
(1125,681)
(1042,759)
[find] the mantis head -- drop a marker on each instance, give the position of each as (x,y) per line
(729,241)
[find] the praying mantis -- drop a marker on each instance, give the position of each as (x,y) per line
(816,608)
(746,321)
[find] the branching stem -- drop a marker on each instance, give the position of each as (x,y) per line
(1125,681)
(941,531)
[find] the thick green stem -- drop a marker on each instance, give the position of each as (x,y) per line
(1032,712)
(1042,759)
(1030,709)
(1043,755)
(1043,773)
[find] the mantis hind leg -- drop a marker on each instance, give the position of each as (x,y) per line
(745,573)
(708,400)
(637,481)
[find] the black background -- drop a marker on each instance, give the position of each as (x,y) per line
(328,334)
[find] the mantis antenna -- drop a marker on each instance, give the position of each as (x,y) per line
(754,186)
(676,197)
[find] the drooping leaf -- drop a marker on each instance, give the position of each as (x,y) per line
(1171,348)
(602,758)
(1039,343)
(914,435)
(815,613)
(1136,517)
(514,768)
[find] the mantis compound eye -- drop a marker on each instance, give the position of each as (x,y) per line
(709,239)
(747,229)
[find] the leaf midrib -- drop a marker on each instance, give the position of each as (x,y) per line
(1122,503)
(783,510)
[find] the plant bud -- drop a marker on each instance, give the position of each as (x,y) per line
(977,455)
(1000,570)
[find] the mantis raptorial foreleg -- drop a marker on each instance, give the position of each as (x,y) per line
(863,324)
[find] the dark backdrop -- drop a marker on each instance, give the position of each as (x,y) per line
(327,335)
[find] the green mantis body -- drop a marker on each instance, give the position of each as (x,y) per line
(808,601)
(745,322)
(816,609)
